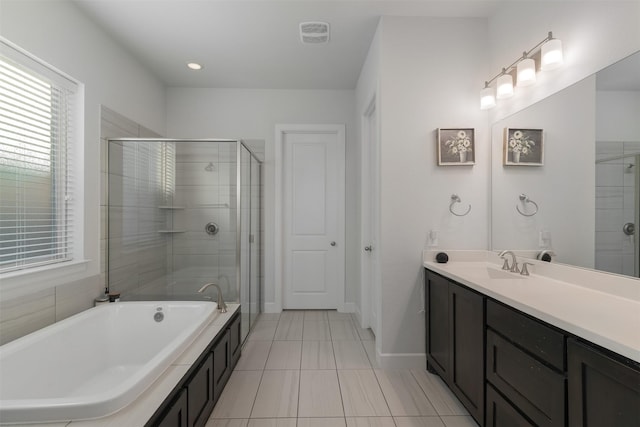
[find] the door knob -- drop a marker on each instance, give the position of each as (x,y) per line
(333,243)
(368,248)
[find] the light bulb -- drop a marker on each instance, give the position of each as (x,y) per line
(526,72)
(487,98)
(551,55)
(505,86)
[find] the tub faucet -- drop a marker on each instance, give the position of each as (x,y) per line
(514,264)
(221,305)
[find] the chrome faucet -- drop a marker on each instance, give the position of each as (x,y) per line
(514,264)
(221,305)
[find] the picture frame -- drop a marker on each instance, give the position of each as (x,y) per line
(456,147)
(523,147)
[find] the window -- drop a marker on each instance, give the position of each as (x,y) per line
(36,185)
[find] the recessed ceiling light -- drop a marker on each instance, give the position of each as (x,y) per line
(194,66)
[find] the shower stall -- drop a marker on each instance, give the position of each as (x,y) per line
(182,213)
(618,207)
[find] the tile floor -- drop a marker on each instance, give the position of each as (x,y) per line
(318,369)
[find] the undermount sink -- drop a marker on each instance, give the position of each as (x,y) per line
(495,273)
(491,272)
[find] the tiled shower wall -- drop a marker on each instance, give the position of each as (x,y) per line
(129,212)
(138,196)
(205,189)
(615,206)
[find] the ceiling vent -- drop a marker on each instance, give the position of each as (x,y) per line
(314,32)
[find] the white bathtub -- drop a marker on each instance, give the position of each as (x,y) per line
(96,362)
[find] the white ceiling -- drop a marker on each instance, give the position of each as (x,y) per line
(255,44)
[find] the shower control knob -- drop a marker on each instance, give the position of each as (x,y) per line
(629,229)
(368,248)
(211,228)
(333,243)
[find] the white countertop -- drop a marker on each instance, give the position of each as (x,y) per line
(598,307)
(140,411)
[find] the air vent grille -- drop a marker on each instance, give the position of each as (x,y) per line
(314,32)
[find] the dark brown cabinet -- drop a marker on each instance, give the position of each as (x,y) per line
(604,389)
(235,341)
(501,413)
(455,340)
(437,325)
(200,393)
(221,364)
(510,369)
(193,400)
(525,363)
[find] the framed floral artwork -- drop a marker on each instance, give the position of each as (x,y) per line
(456,147)
(523,147)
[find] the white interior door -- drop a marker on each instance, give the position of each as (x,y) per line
(313,218)
(370,220)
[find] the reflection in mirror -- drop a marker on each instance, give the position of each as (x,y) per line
(586,190)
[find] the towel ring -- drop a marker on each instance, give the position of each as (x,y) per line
(456,199)
(524,199)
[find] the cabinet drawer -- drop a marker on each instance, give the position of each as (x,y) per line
(537,390)
(500,413)
(537,338)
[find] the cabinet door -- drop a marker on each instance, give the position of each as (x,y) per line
(200,393)
(235,341)
(221,364)
(466,321)
(176,416)
(602,391)
(437,324)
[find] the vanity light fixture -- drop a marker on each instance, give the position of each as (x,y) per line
(194,66)
(504,87)
(551,54)
(487,98)
(548,53)
(526,72)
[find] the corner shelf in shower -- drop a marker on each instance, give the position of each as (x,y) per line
(171,207)
(171,231)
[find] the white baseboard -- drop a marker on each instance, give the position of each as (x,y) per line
(358,315)
(271,307)
(402,360)
(349,307)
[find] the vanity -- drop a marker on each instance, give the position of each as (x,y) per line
(560,347)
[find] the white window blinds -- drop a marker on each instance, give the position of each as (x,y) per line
(36,193)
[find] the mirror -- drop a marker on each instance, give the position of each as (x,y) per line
(579,196)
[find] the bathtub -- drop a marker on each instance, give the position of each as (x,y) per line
(96,362)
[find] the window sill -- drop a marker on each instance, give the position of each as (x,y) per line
(15,284)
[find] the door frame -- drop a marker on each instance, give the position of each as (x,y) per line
(281,131)
(369,279)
